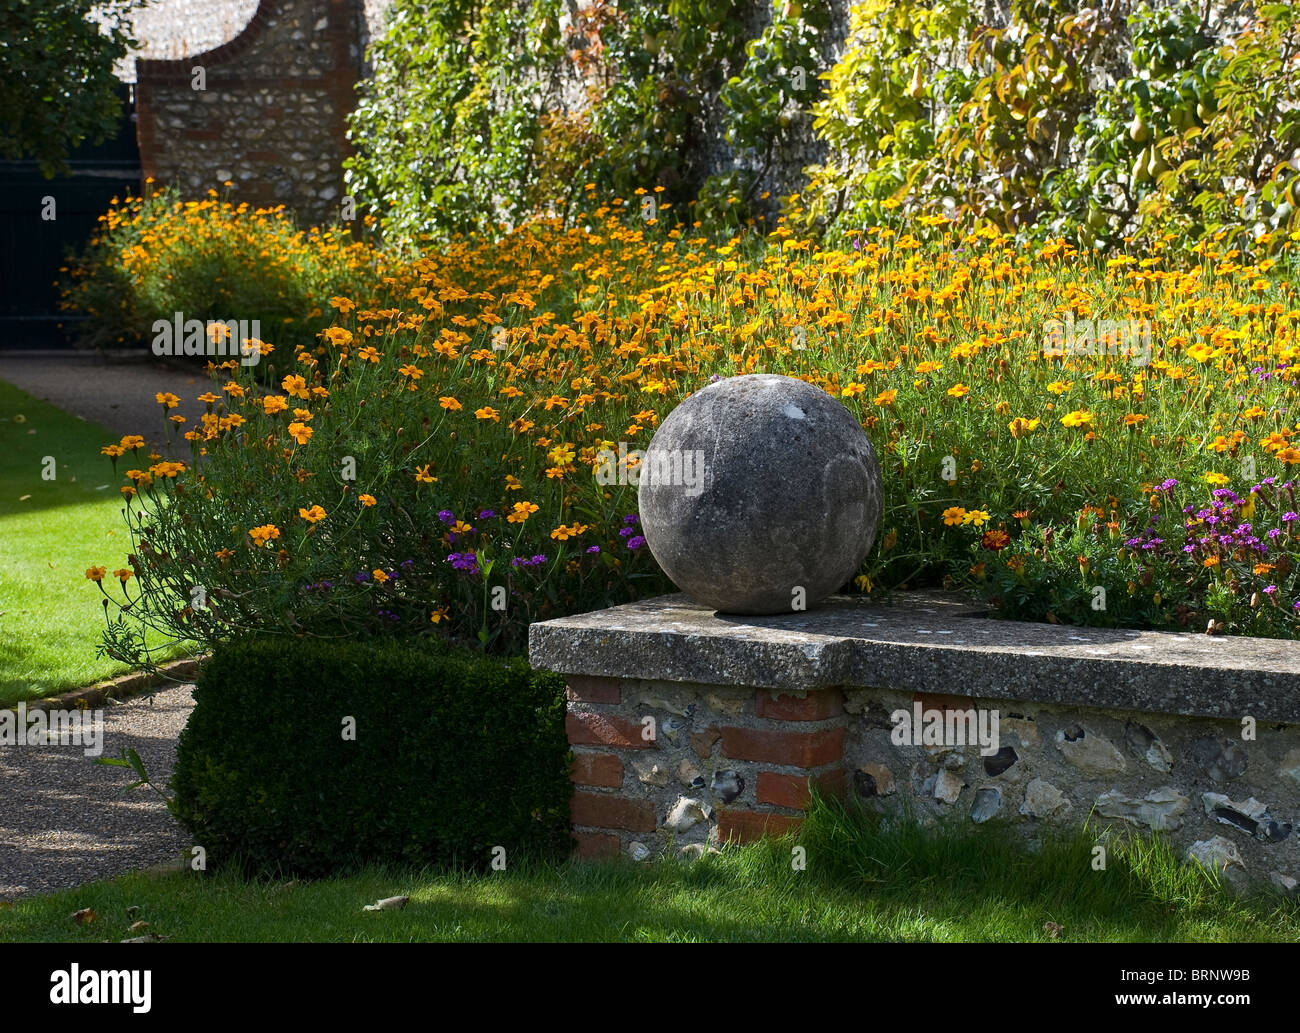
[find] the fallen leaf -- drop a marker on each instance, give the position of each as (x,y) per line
(1053,929)
(388,904)
(85,916)
(137,927)
(133,910)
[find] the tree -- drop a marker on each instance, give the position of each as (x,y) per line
(57,87)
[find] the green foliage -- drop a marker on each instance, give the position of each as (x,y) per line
(453,755)
(447,129)
(57,87)
(486,112)
(157,255)
(1069,119)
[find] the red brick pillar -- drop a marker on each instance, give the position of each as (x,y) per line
(805,734)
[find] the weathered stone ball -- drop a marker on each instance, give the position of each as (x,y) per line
(760,495)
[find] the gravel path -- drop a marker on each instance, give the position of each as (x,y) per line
(65,821)
(115,390)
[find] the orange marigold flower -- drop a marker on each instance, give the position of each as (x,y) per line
(300,432)
(366,500)
(312,515)
(265,534)
(96,574)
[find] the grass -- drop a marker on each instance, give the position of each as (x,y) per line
(50,531)
(866,879)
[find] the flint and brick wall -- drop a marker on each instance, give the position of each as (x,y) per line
(272,119)
(686,764)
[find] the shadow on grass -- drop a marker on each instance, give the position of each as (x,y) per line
(867,878)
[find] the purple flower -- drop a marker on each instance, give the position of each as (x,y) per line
(463,561)
(594,549)
(447,516)
(486,514)
(635,543)
(362,577)
(631,518)
(1289,518)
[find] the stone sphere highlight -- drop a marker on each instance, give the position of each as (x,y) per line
(760,495)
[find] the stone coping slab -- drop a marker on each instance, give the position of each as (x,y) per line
(932,643)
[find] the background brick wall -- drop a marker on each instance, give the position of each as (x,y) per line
(272,118)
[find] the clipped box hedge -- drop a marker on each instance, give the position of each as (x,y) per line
(454,754)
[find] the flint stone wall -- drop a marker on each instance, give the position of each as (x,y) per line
(272,118)
(690,729)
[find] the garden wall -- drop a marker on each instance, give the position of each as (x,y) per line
(271,114)
(690,728)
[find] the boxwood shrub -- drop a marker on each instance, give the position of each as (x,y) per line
(454,753)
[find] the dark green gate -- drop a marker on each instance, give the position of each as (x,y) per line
(32,248)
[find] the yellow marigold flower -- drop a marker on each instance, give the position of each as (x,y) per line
(1078,418)
(312,515)
(114,451)
(167,399)
(344,305)
(1213,477)
(207,398)
(264,534)
(439,615)
(954,515)
(958,390)
(488,413)
(522,511)
(369,354)
(513,483)
(414,372)
(423,476)
(852,389)
(96,574)
(1059,387)
(273,404)
(295,386)
(339,336)
(300,432)
(976,517)
(929,366)
(564,532)
(1289,455)
(366,500)
(450,404)
(132,441)
(379,576)
(885,397)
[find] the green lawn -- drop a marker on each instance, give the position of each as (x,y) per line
(863,881)
(50,532)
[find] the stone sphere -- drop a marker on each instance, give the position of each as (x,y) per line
(760,495)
